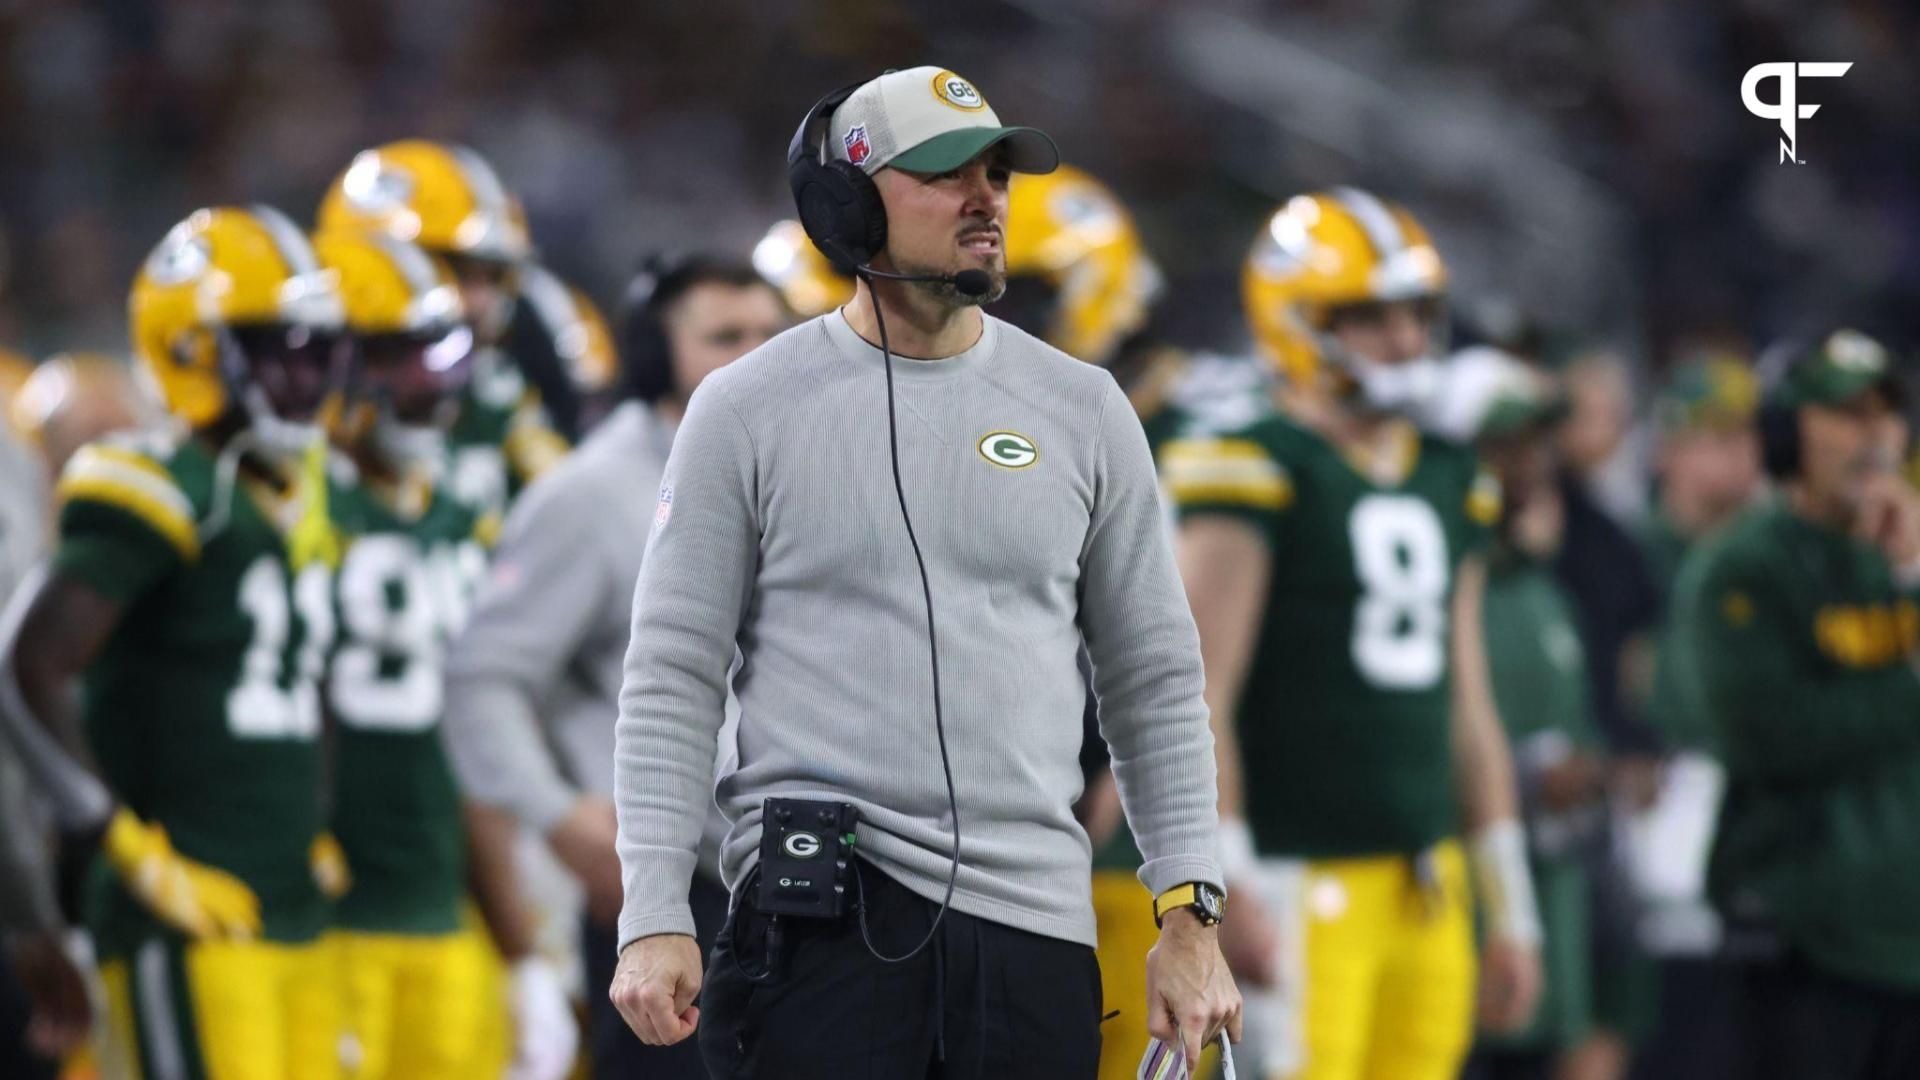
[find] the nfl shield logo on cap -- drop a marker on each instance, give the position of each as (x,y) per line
(857,146)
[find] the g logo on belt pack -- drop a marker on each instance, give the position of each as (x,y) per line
(1008,449)
(802,845)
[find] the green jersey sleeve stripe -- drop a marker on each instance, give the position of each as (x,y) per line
(135,486)
(1232,471)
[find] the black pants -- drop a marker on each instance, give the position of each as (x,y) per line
(1509,1065)
(1697,1032)
(982,1000)
(615,1051)
(1801,1024)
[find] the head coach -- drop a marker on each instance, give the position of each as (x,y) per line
(906,516)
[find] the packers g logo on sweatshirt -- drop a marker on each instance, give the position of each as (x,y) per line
(1008,449)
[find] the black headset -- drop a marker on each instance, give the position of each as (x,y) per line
(839,205)
(1779,427)
(1778,423)
(646,358)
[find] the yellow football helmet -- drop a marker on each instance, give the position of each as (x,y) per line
(443,197)
(1321,252)
(581,337)
(806,279)
(411,340)
(1068,235)
(231,312)
(448,200)
(75,398)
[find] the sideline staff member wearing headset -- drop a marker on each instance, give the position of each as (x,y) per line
(1032,496)
(532,682)
(1800,629)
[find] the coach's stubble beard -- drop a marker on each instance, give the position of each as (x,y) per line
(949,293)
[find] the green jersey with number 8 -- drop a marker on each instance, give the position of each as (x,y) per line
(203,707)
(404,588)
(1344,718)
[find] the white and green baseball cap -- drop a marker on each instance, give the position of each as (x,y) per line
(928,119)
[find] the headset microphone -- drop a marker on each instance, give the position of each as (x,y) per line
(968,282)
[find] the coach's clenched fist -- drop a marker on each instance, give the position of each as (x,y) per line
(655,986)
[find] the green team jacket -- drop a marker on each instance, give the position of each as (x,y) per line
(1803,655)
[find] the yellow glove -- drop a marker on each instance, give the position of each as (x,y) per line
(329,863)
(199,899)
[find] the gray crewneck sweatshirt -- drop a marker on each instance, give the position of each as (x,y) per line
(1034,499)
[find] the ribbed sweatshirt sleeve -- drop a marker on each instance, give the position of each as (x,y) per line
(1146,662)
(695,582)
(538,604)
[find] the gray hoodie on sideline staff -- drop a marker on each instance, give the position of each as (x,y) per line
(532,681)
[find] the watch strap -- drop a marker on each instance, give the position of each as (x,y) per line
(1186,894)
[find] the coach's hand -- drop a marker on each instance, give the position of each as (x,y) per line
(1889,517)
(1190,993)
(656,985)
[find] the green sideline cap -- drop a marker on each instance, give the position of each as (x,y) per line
(1841,368)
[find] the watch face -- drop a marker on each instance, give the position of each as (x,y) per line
(1212,904)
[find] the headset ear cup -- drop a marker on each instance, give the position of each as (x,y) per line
(646,358)
(1779,441)
(871,222)
(649,361)
(840,209)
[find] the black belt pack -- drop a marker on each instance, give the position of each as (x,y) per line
(806,857)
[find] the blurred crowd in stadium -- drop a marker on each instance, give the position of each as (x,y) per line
(1620,248)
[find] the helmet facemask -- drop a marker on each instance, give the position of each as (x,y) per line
(279,375)
(489,288)
(1404,387)
(414,380)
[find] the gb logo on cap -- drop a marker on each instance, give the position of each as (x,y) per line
(957,92)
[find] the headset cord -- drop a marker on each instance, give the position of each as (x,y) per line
(933,654)
(775,939)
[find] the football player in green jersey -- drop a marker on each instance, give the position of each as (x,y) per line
(1329,551)
(448,200)
(189,595)
(422,982)
(1802,621)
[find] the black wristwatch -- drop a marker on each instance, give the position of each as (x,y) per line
(1207,903)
